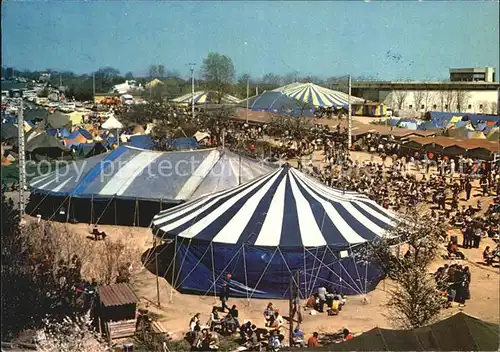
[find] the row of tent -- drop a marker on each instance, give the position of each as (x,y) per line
(287,99)
(458,126)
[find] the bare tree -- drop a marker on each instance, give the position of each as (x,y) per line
(415,300)
(400,98)
(461,98)
(428,100)
(271,79)
(449,99)
(418,98)
(494,108)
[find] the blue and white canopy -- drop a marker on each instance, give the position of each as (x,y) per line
(316,95)
(284,208)
(202,97)
(132,173)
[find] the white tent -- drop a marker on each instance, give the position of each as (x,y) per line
(112,123)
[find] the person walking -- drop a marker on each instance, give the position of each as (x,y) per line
(224,296)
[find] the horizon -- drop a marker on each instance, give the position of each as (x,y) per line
(406,40)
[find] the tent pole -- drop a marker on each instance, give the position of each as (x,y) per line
(157,278)
(91,209)
(246,277)
(213,272)
(138,212)
(115,212)
(173,272)
(69,207)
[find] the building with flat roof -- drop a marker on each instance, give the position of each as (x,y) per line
(478,74)
(411,99)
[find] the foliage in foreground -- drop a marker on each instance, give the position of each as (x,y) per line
(415,300)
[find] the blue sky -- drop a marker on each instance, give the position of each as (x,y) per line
(319,38)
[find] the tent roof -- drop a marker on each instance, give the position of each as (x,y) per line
(142,141)
(132,173)
(202,97)
(34,114)
(474,118)
(9,131)
(57,120)
(265,212)
(112,123)
(459,332)
(44,141)
(80,132)
(316,95)
(277,102)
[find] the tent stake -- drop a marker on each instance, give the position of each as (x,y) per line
(157,279)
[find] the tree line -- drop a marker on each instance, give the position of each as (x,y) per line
(217,74)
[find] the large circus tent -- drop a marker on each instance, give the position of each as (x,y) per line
(130,185)
(317,96)
(277,102)
(259,235)
(204,97)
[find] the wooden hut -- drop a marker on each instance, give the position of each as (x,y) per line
(116,309)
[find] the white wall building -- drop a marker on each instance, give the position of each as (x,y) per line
(415,98)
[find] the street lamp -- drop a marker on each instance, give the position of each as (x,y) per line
(248,81)
(191,67)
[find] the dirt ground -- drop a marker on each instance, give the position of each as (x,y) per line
(359,314)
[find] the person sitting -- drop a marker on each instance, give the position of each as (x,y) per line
(453,249)
(488,256)
(313,341)
(245,331)
(311,302)
(229,325)
(276,321)
(98,234)
(195,321)
(197,338)
(274,343)
(234,313)
(253,343)
(335,307)
(268,313)
(214,319)
(298,336)
(347,335)
(213,341)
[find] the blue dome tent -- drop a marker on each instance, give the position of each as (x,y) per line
(254,233)
(279,103)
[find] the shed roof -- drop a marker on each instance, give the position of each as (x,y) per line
(117,295)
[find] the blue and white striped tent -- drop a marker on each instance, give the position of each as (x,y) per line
(317,96)
(202,97)
(279,223)
(161,178)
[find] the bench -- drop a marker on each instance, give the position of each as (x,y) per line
(120,329)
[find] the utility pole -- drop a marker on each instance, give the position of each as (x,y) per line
(93,86)
(191,67)
(349,117)
(248,90)
(22,161)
